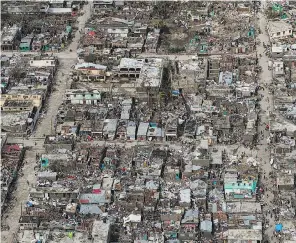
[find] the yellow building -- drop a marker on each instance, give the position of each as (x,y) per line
(90,72)
(20,102)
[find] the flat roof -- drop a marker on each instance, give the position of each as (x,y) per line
(100,231)
(110,125)
(60,10)
(278,26)
(151,73)
(8,34)
(12,119)
(131,129)
(90,65)
(142,130)
(285,180)
(277,49)
(131,63)
(243,207)
(225,77)
(92,198)
(244,234)
(57,156)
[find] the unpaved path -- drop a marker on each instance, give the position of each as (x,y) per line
(67,59)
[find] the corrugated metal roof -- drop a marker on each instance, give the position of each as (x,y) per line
(93,198)
(90,209)
(90,65)
(143,127)
(206,226)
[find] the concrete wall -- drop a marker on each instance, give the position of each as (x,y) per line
(43,63)
(37,99)
(51,147)
(283,33)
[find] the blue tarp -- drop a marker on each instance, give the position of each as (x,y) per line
(175,93)
(44,162)
(278,227)
(153,124)
(29,204)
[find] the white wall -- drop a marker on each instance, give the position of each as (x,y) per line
(42,63)
(283,33)
(278,64)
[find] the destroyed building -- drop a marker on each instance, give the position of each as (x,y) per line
(156,135)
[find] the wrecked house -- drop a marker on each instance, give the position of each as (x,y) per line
(110,127)
(171,132)
(82,96)
(53,143)
(142,131)
(90,72)
(11,156)
(279,29)
(10,38)
(190,129)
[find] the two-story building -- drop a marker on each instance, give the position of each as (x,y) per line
(90,72)
(279,29)
(82,96)
(9,37)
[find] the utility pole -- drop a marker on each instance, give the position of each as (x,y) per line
(148,91)
(51,126)
(195,82)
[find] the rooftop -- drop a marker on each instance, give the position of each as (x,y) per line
(244,234)
(151,73)
(243,207)
(278,26)
(8,34)
(131,63)
(100,231)
(88,65)
(13,119)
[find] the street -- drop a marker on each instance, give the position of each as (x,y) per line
(67,59)
(263,153)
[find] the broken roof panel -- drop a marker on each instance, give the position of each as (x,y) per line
(95,198)
(244,234)
(206,226)
(89,65)
(142,130)
(90,209)
(131,63)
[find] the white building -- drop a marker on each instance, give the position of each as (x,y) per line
(279,29)
(277,51)
(101,231)
(40,61)
(278,68)
(118,32)
(82,96)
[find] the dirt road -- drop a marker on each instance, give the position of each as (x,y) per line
(266,106)
(67,60)
(62,79)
